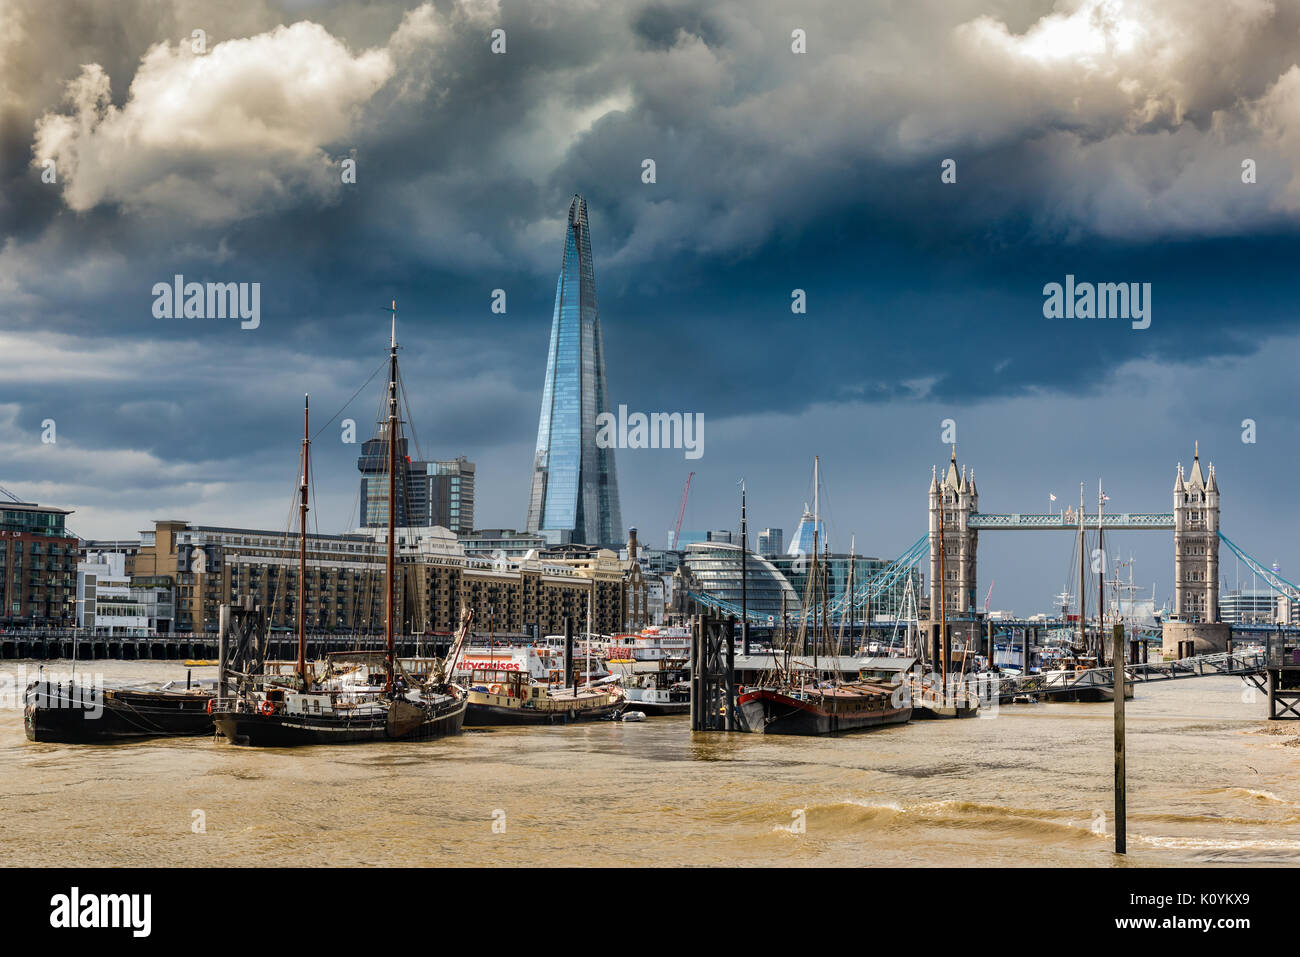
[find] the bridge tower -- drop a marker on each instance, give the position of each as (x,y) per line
(1196,544)
(958,498)
(1196,629)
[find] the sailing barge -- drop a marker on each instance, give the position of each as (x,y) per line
(349,704)
(361,696)
(72,713)
(820,703)
(830,709)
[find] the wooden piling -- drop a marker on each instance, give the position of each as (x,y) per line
(570,676)
(697,669)
(1121,835)
(731,673)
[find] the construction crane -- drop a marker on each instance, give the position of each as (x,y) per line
(681,512)
(988,597)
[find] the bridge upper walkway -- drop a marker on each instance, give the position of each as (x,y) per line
(1117,521)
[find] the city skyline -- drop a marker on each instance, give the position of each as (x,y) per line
(1120,161)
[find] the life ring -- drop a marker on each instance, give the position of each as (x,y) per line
(210,700)
(494,689)
(1080,669)
(266,707)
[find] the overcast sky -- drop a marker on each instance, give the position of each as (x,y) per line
(1098,138)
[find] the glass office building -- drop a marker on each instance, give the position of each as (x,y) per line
(574,497)
(803,542)
(770,542)
(428,493)
(373,465)
(886,603)
(717,565)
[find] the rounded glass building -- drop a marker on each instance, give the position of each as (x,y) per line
(716,565)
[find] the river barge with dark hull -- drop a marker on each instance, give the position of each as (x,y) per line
(72,713)
(834,710)
(396,720)
(361,696)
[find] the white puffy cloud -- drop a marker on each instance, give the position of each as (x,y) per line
(217,136)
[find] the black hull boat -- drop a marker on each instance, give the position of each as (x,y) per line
(400,720)
(69,713)
(360,696)
(782,711)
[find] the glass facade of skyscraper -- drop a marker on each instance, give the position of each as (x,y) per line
(574,496)
(885,603)
(771,541)
(802,542)
(428,493)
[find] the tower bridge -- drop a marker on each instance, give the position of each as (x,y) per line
(955,518)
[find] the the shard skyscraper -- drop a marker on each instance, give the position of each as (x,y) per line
(575,487)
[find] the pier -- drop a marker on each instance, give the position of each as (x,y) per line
(51,645)
(1279,677)
(1093,683)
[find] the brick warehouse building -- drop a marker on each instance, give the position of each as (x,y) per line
(38,567)
(210,565)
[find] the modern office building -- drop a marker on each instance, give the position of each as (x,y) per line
(770,542)
(1255,606)
(689,537)
(373,465)
(802,542)
(427,493)
(501,543)
(442,493)
(574,495)
(887,603)
(38,567)
(658,561)
(106,602)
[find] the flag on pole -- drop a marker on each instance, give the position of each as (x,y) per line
(1105,497)
(1052,496)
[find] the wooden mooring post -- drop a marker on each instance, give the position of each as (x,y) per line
(1121,835)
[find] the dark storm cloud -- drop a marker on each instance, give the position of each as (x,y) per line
(1099,138)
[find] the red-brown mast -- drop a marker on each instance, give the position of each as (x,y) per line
(392,500)
(302,543)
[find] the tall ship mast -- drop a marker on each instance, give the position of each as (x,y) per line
(357,696)
(803,698)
